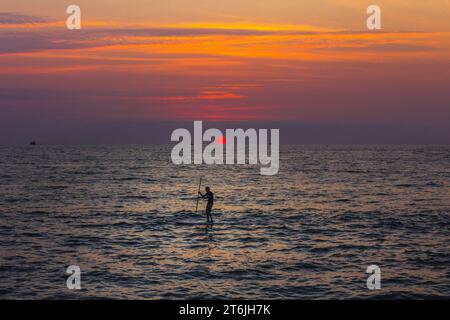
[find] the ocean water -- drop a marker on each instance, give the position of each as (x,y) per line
(126,216)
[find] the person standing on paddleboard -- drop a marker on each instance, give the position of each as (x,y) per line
(210,197)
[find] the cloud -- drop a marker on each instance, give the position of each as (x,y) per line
(109,40)
(203,96)
(19,18)
(381,47)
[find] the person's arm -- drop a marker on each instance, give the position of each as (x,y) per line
(202,195)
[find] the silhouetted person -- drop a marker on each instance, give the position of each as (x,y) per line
(210,197)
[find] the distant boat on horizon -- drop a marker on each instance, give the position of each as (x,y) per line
(32,143)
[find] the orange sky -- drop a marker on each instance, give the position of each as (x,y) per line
(304,61)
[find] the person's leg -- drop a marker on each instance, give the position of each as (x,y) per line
(208,213)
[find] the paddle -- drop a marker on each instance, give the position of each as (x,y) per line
(199,186)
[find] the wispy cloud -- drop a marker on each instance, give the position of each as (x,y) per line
(236,40)
(203,96)
(13,18)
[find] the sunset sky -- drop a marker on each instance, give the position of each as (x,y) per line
(139,68)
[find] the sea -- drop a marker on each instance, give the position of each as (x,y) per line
(126,216)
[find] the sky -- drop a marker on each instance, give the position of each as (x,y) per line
(140,68)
